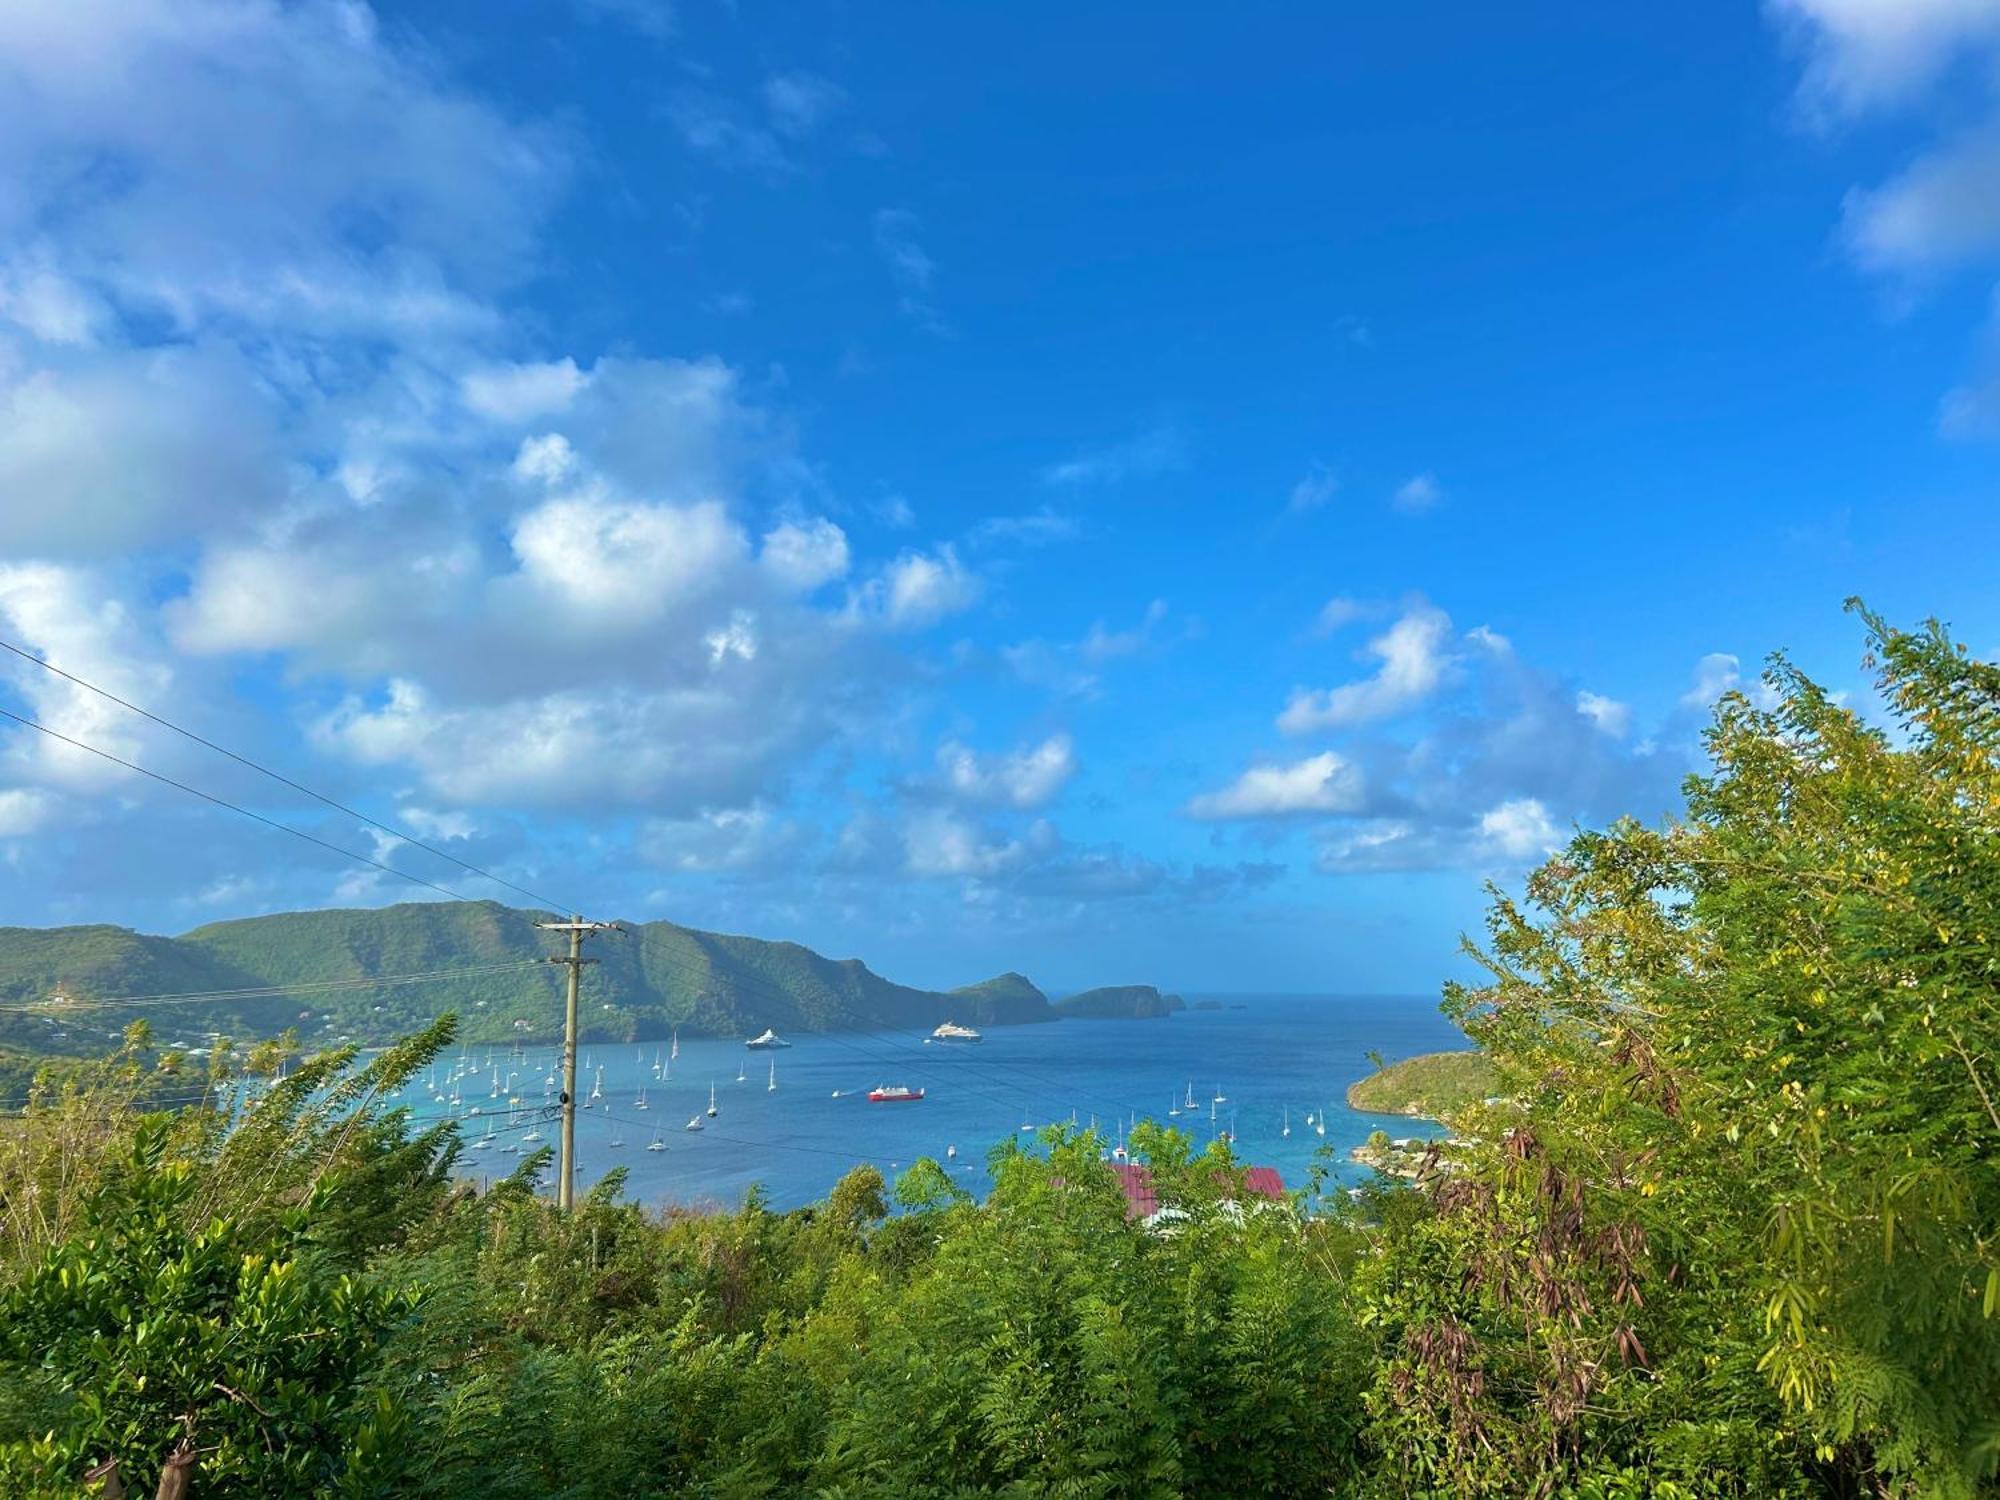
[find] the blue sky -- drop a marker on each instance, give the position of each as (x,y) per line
(969,487)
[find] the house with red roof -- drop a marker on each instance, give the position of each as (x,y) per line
(1142,1202)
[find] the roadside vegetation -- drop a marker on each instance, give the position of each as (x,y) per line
(1735,1231)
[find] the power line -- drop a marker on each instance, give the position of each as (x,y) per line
(193,791)
(262,770)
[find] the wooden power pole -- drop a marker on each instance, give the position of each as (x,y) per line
(578,930)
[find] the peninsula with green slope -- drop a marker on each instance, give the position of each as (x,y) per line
(1433,1086)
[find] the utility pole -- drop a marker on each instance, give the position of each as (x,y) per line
(578,930)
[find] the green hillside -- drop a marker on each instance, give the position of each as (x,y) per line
(1005,999)
(1120,1002)
(645,981)
(1433,1086)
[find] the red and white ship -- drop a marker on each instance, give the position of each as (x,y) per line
(894,1093)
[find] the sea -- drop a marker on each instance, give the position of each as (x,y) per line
(790,1122)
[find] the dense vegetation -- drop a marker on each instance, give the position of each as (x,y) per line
(1435,1085)
(1732,1234)
(654,977)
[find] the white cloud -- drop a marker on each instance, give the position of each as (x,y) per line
(1941,210)
(517,393)
(1322,784)
(546,459)
(626,560)
(921,588)
(1414,660)
(1714,675)
(1024,778)
(1520,829)
(62,614)
(1608,714)
(1418,494)
(207,216)
(938,843)
(803,555)
(730,839)
(1868,53)
(24,811)
(127,449)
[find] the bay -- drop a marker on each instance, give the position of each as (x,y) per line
(1274,1058)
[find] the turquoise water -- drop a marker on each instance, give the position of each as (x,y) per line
(1273,1056)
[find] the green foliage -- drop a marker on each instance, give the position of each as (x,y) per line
(1436,1085)
(153,1330)
(1737,1224)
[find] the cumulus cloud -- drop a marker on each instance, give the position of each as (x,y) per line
(1025,778)
(1714,675)
(940,843)
(805,554)
(921,588)
(1320,784)
(1608,714)
(1520,828)
(1863,54)
(516,393)
(1414,656)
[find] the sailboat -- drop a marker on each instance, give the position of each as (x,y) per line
(1174,1108)
(1321,1126)
(656,1062)
(741,1074)
(1220,1097)
(772,1086)
(616,1138)
(1188,1103)
(658,1144)
(1309,1117)
(1287,1130)
(641,1103)
(711,1101)
(695,1123)
(597,1085)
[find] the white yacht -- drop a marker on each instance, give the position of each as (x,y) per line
(951,1031)
(767,1040)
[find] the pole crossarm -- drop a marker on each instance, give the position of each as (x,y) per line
(578,929)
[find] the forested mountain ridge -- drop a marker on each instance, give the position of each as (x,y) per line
(646,980)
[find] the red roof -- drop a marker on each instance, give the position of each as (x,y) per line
(1141,1202)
